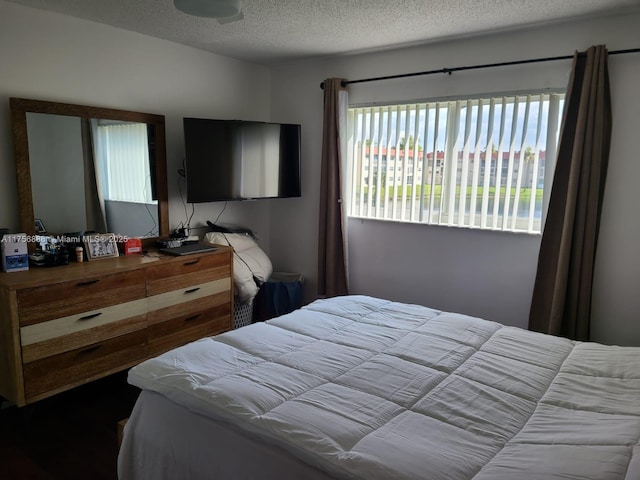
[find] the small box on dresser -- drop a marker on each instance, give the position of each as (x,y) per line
(13,251)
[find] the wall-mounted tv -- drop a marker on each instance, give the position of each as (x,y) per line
(241,160)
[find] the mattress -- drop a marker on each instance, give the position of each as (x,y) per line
(363,388)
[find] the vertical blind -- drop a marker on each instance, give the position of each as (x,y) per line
(124,154)
(477,163)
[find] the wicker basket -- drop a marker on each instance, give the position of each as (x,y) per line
(242,314)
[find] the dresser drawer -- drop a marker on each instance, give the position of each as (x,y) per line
(188,300)
(61,335)
(187,272)
(84,322)
(59,300)
(177,331)
(75,367)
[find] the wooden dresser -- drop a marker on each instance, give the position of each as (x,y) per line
(64,326)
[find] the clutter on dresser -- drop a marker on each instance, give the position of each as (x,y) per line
(73,241)
(50,252)
(178,238)
(130,246)
(101,245)
(89,245)
(14,252)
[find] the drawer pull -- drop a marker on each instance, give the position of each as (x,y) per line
(90,316)
(90,349)
(192,318)
(88,282)
(191,290)
(192,262)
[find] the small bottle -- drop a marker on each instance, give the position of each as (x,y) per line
(79,254)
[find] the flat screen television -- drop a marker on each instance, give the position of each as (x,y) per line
(241,160)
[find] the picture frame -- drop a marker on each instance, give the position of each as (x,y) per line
(101,245)
(39,226)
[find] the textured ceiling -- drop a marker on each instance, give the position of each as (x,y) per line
(277,30)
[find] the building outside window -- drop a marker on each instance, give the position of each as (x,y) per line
(475,163)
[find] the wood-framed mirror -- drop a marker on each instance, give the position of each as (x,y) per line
(84,168)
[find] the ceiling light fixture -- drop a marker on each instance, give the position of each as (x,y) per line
(224,10)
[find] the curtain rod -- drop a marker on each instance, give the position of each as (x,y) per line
(473,67)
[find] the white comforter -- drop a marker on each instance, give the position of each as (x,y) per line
(366,388)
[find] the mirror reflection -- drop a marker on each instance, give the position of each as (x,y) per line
(91,174)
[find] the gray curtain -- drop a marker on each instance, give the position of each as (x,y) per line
(332,275)
(561,303)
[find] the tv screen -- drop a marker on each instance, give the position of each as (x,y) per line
(241,160)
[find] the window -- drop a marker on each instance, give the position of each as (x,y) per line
(123,153)
(477,163)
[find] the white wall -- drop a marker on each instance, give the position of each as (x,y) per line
(489,274)
(47,56)
(616,300)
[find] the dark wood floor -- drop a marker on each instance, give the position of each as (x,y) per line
(69,436)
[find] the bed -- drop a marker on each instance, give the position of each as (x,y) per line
(358,387)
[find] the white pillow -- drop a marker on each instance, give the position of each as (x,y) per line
(249,260)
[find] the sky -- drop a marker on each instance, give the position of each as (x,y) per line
(530,129)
